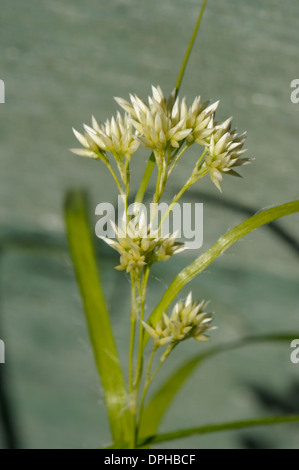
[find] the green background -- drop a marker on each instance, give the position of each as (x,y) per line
(63,61)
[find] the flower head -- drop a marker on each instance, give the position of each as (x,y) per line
(139,244)
(167,127)
(90,148)
(115,136)
(224,152)
(198,117)
(154,122)
(187,320)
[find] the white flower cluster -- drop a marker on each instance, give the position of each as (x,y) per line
(140,245)
(187,320)
(115,136)
(164,126)
(224,152)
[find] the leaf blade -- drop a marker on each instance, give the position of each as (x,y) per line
(218,427)
(162,399)
(97,316)
(221,245)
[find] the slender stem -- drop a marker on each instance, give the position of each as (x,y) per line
(145,179)
(127,175)
(123,169)
(151,162)
(135,285)
(156,371)
(201,157)
(175,200)
(196,175)
(148,381)
(150,378)
(115,178)
(176,160)
(160,185)
(190,46)
(157,194)
(163,358)
(133,328)
(161,181)
(132,337)
(141,331)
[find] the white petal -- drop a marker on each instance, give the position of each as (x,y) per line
(83,141)
(188,299)
(84,153)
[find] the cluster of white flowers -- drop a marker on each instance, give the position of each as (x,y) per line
(164,126)
(115,136)
(155,127)
(224,152)
(187,320)
(90,148)
(140,245)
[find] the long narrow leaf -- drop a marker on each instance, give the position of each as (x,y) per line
(211,428)
(222,244)
(162,399)
(97,316)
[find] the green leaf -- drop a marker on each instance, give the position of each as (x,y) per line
(210,428)
(190,47)
(162,399)
(222,244)
(97,316)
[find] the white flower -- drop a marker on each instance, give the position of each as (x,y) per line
(224,152)
(168,127)
(115,136)
(164,123)
(154,124)
(187,320)
(199,117)
(139,245)
(90,148)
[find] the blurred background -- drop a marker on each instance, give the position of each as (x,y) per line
(63,61)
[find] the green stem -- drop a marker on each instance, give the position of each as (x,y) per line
(201,158)
(133,328)
(196,176)
(160,185)
(148,381)
(115,178)
(157,194)
(175,200)
(190,46)
(157,370)
(176,160)
(145,179)
(132,394)
(151,162)
(149,378)
(127,176)
(141,331)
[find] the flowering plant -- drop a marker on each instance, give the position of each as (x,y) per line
(168,127)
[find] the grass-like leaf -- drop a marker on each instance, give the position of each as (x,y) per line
(222,244)
(97,316)
(162,399)
(211,428)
